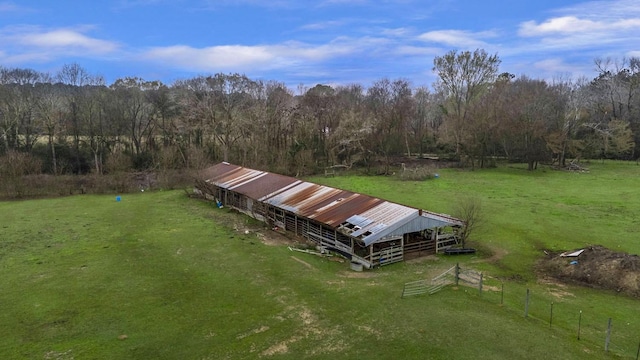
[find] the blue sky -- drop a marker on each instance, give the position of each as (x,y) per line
(302,42)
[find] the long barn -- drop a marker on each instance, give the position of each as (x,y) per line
(365,229)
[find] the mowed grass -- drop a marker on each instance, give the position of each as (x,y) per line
(175,276)
(525,212)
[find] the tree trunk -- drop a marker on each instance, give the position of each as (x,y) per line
(53,155)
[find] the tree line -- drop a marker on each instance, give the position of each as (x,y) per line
(71,122)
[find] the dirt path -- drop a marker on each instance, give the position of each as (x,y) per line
(498,254)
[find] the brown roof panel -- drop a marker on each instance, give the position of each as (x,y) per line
(264,184)
(215,172)
(251,183)
(341,209)
(322,203)
(372,219)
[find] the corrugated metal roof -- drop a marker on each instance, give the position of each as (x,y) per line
(367,218)
(382,218)
(252,183)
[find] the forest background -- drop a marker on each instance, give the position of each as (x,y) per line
(54,127)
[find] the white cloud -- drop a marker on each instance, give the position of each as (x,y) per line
(457,38)
(397,32)
(573,25)
(554,65)
(28,43)
(66,39)
(599,25)
(323,25)
(216,57)
(244,57)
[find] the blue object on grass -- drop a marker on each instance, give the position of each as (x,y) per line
(436,176)
(118,198)
(574,262)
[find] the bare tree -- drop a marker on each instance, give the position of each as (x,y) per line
(136,111)
(463,77)
(80,105)
(390,106)
(616,94)
(426,120)
(469,210)
(17,107)
(533,107)
(563,137)
(51,113)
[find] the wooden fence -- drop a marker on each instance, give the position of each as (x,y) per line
(455,275)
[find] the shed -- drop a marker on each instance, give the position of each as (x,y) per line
(365,229)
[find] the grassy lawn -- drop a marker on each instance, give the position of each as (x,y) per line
(184,280)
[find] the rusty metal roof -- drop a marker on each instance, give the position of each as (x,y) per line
(251,183)
(361,216)
(324,204)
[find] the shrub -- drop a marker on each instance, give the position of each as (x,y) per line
(416,174)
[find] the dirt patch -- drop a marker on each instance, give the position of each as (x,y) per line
(280,348)
(259,330)
(311,327)
(273,238)
(497,255)
(596,267)
(368,329)
(555,288)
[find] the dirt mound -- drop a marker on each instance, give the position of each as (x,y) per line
(596,267)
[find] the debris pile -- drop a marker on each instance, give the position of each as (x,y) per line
(594,266)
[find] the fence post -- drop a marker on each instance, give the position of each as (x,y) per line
(526,305)
(579,323)
(502,295)
(480,285)
(608,338)
(551,315)
(457,273)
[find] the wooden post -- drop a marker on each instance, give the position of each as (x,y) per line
(608,338)
(526,305)
(502,295)
(480,285)
(457,273)
(551,315)
(579,323)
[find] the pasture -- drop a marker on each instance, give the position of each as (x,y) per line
(163,276)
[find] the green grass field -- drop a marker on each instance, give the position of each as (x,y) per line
(182,280)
